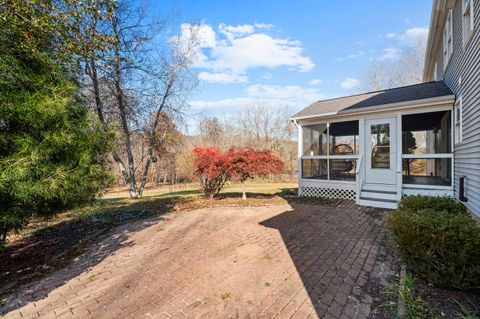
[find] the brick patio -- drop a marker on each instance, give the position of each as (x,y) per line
(293,261)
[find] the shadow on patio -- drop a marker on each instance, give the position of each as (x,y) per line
(342,255)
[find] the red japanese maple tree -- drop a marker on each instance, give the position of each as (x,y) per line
(214,168)
(246,163)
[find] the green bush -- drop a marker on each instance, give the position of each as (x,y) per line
(439,204)
(441,246)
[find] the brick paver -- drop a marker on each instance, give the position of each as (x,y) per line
(292,261)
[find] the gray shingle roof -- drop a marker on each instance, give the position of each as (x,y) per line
(401,94)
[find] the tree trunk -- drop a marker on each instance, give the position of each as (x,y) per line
(132,188)
(145,172)
(153,139)
(244,195)
(99,108)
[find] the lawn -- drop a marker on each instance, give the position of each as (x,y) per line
(48,245)
(193,190)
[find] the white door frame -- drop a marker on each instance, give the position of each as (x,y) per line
(381,176)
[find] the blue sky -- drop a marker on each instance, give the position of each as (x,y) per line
(292,53)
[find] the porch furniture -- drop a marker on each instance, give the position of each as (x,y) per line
(342,166)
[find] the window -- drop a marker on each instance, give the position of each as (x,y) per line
(435,72)
(458,121)
(330,151)
(448,39)
(380,145)
(467,23)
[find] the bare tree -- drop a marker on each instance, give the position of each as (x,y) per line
(406,70)
(212,132)
(134,80)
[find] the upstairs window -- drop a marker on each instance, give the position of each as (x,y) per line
(458,121)
(467,23)
(448,39)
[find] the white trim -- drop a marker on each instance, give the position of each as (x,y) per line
(331,157)
(325,181)
(428,192)
(431,155)
(419,186)
(467,34)
(299,155)
(458,106)
(399,157)
(447,46)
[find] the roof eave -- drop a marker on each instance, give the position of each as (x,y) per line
(439,8)
(382,107)
(427,67)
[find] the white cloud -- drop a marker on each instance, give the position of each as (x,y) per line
(237,49)
(351,56)
(411,36)
(286,93)
(203,33)
(350,83)
(234,31)
(390,54)
(289,95)
(414,35)
(223,78)
(267,76)
(315,82)
(258,50)
(263,25)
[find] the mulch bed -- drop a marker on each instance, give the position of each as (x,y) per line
(448,303)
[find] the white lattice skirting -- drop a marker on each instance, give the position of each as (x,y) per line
(327,190)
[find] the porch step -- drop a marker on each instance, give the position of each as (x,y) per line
(371,202)
(380,188)
(380,195)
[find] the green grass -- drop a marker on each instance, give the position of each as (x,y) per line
(225,295)
(185,190)
(116,207)
(415,307)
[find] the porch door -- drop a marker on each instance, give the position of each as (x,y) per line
(380,151)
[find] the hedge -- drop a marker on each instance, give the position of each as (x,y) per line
(438,240)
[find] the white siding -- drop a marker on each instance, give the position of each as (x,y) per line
(462,75)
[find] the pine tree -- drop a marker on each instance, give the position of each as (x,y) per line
(52,151)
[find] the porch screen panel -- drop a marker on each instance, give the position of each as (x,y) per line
(330,151)
(427,149)
(315,140)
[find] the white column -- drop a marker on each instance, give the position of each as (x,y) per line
(362,154)
(399,157)
(299,156)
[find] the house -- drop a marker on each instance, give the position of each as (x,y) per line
(421,139)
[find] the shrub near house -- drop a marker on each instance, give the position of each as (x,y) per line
(439,240)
